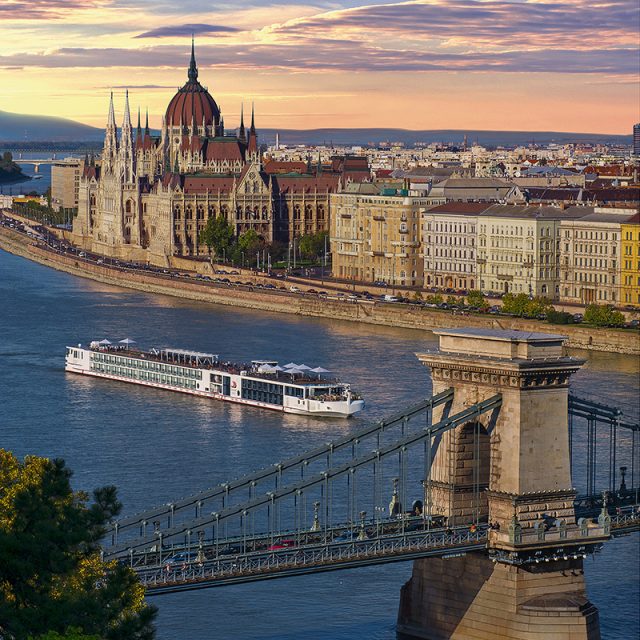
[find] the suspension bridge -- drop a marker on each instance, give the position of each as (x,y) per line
(485,466)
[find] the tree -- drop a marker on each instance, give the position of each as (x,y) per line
(52,579)
(312,245)
(603,315)
(476,299)
(217,235)
(522,305)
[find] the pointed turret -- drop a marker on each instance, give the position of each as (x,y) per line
(126,122)
(146,123)
(111,120)
(242,135)
(252,145)
(193,69)
(126,143)
(139,132)
(110,148)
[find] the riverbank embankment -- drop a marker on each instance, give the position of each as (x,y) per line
(380,313)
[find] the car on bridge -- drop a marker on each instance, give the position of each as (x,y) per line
(180,560)
(282,544)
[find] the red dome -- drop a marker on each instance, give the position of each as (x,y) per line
(192,100)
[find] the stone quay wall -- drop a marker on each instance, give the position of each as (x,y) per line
(379,313)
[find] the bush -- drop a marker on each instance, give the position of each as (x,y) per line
(603,315)
(559,317)
(521,305)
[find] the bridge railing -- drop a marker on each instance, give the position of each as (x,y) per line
(286,503)
(316,556)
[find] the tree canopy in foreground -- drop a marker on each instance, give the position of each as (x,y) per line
(53,583)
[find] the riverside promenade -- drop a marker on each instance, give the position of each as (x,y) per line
(278,301)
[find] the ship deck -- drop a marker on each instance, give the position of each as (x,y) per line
(221,365)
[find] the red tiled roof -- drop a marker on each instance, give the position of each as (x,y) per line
(224,150)
(281,166)
(307,184)
(213,184)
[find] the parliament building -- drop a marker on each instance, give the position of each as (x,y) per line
(149,197)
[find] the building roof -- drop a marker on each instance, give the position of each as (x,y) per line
(282,166)
(535,212)
(192,102)
(306,183)
(460,208)
(213,184)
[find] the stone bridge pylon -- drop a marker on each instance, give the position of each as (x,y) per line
(510,468)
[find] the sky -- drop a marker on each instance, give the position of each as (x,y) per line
(555,65)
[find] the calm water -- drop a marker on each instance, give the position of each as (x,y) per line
(157,446)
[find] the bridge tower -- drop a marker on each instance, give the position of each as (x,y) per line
(529,583)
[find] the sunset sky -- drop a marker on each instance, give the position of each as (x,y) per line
(564,65)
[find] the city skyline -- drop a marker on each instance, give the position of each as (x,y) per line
(565,65)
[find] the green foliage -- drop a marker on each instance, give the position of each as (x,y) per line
(434,299)
(217,235)
(603,315)
(73,633)
(248,245)
(38,212)
(521,305)
(52,580)
(452,300)
(9,170)
(476,299)
(559,317)
(417,296)
(312,245)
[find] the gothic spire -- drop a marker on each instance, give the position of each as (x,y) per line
(146,123)
(193,69)
(253,126)
(139,127)
(127,115)
(111,121)
(242,134)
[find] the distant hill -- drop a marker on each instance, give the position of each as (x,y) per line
(16,128)
(291,137)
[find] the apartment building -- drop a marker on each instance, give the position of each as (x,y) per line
(590,255)
(518,248)
(375,235)
(65,183)
(449,236)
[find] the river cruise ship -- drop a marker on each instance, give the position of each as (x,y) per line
(261,383)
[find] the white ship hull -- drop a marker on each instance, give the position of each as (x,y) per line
(204,383)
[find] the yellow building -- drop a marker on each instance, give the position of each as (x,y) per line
(630,262)
(375,235)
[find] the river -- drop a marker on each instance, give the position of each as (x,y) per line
(157,446)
